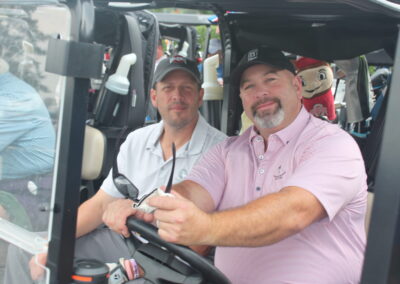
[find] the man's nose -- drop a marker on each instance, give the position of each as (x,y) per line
(177,93)
(260,91)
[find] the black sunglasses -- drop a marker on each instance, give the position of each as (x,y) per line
(169,184)
(124,185)
(121,182)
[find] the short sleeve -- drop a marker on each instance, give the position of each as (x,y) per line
(209,172)
(332,169)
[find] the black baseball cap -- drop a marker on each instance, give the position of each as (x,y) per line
(261,55)
(173,63)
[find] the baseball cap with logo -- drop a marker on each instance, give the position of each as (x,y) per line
(174,63)
(261,55)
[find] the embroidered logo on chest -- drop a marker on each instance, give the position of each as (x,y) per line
(182,174)
(279,173)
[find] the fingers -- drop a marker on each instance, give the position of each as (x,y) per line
(148,217)
(36,266)
(176,233)
(180,221)
(168,236)
(116,214)
(171,210)
(165,202)
(174,219)
(171,216)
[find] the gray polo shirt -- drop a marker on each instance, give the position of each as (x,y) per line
(141,160)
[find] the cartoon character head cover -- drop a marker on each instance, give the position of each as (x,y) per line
(317,78)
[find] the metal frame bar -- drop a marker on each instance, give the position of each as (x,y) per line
(230,116)
(382,252)
(62,243)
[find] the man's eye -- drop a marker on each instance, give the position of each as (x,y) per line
(249,86)
(269,79)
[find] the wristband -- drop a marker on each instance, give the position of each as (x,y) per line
(135,266)
(128,269)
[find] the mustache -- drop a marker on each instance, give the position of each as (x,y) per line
(263,101)
(173,104)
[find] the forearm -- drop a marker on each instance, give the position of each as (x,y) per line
(264,221)
(251,225)
(87,222)
(261,222)
(195,193)
(90,213)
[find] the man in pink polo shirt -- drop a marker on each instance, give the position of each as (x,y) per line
(284,202)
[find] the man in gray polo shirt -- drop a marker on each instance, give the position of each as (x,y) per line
(145,158)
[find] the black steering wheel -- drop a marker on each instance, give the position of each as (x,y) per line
(165,262)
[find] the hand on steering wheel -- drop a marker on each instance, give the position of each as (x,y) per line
(149,256)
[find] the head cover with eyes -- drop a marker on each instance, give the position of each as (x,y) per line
(317,78)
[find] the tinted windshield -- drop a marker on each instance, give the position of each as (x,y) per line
(29,117)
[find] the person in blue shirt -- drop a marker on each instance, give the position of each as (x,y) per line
(27,140)
(26,134)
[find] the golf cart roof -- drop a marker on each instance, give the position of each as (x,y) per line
(314,28)
(182,19)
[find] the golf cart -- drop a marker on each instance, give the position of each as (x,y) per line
(75,47)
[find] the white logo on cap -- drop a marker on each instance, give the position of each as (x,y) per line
(253,54)
(177,59)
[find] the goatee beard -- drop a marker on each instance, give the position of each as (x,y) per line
(268,118)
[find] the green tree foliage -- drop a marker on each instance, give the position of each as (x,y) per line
(22,43)
(201,30)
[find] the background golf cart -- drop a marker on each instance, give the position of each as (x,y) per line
(320,29)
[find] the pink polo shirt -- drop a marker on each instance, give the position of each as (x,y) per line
(311,154)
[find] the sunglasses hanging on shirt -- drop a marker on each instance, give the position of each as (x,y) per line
(129,190)
(142,204)
(171,176)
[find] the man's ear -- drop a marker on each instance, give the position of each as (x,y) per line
(153,96)
(240,96)
(201,96)
(297,83)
